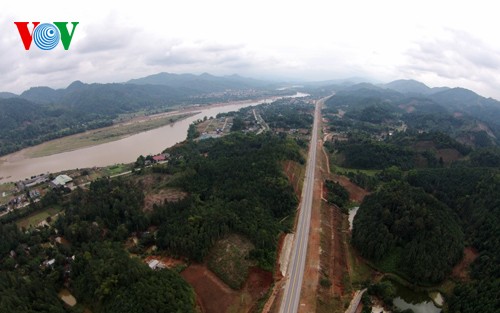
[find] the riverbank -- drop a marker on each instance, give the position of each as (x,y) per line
(104,135)
(21,165)
(123,128)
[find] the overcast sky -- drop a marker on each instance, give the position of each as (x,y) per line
(441,43)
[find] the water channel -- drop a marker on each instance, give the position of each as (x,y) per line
(16,167)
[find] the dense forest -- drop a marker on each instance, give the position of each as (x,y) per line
(433,168)
(473,195)
(41,113)
(235,184)
(105,277)
(288,114)
(420,234)
(94,265)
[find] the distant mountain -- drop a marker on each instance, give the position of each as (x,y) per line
(42,113)
(6,95)
(336,82)
(202,83)
(361,95)
(99,98)
(42,94)
(457,109)
(361,86)
(410,86)
(464,100)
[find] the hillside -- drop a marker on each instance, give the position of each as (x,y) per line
(410,230)
(202,83)
(41,113)
(412,87)
(458,112)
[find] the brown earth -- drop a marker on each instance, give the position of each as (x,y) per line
(257,284)
(214,296)
(461,270)
(334,241)
(166,260)
(334,257)
(295,173)
(424,145)
(448,155)
(356,193)
(169,195)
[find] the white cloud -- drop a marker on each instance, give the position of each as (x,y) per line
(440,43)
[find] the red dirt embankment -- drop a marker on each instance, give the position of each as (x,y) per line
(214,296)
(461,270)
(356,193)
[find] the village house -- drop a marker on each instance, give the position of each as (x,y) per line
(62,181)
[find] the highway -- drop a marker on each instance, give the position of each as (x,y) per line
(295,272)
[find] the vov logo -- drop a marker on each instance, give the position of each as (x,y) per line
(46,36)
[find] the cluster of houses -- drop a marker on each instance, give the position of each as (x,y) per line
(27,191)
(29,183)
(59,181)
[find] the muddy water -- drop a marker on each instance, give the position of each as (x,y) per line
(419,302)
(352,214)
(15,167)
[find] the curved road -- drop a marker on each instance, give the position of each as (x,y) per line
(295,272)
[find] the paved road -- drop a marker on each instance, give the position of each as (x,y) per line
(293,285)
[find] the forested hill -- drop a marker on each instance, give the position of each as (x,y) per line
(235,185)
(414,101)
(406,226)
(41,113)
(231,185)
(204,82)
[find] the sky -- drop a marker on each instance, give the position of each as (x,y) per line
(440,43)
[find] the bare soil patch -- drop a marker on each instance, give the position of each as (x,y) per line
(167,261)
(168,195)
(424,145)
(461,270)
(356,193)
(213,295)
(448,155)
(258,284)
(295,173)
(229,260)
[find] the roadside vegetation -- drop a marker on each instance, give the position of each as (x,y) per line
(232,201)
(434,178)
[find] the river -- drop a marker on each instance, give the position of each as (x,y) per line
(126,150)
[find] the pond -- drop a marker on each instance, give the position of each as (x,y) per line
(419,302)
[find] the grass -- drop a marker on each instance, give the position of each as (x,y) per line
(102,135)
(35,218)
(228,259)
(389,263)
(360,271)
(343,170)
(115,169)
(333,304)
(7,188)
